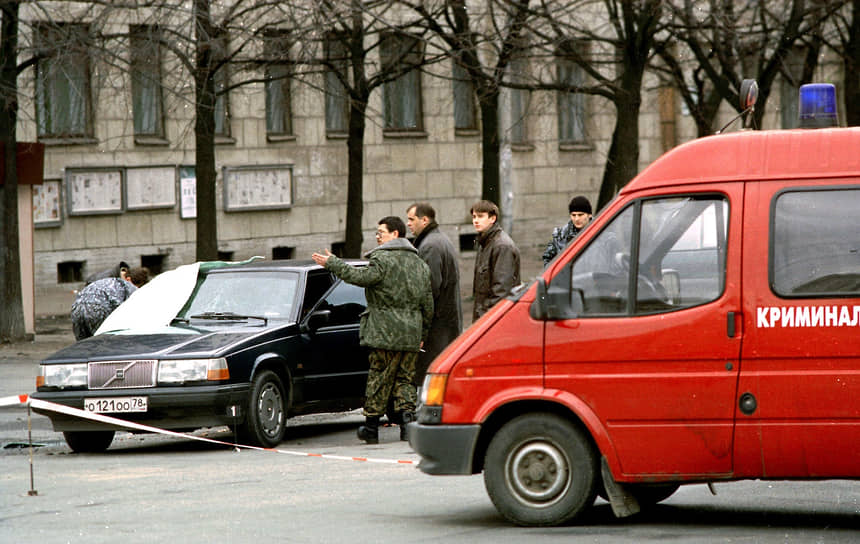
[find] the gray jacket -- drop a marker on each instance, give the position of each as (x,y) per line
(497,269)
(438,252)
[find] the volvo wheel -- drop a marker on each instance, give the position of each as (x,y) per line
(88,441)
(540,469)
(266,418)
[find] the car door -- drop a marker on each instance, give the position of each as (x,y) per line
(334,363)
(654,350)
(799,389)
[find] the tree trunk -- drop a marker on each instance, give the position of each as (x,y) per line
(355,178)
(490,145)
(12,314)
(622,162)
(204,134)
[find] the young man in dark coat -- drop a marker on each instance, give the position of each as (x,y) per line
(438,252)
(396,323)
(497,264)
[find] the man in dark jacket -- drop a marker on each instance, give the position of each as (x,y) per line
(438,252)
(95,302)
(580,215)
(497,264)
(396,323)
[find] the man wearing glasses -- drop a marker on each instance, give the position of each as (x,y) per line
(396,282)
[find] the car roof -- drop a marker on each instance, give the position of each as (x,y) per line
(296,265)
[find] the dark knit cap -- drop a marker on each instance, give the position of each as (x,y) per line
(579,204)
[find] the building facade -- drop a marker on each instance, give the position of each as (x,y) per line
(119,162)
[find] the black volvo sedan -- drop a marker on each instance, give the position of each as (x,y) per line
(209,344)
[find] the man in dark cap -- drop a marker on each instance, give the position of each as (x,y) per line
(580,215)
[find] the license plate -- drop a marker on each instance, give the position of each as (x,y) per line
(115,405)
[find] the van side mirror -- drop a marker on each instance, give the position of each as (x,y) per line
(316,320)
(558,301)
(672,285)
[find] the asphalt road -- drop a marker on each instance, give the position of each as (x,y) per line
(150,488)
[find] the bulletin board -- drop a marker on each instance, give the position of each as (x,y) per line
(148,187)
(258,187)
(188,192)
(93,191)
(48,204)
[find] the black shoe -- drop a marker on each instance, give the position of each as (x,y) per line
(369,432)
(406,419)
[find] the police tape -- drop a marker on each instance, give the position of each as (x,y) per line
(26,400)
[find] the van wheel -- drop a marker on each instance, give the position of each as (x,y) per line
(266,418)
(88,441)
(540,469)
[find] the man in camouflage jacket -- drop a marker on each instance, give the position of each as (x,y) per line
(396,323)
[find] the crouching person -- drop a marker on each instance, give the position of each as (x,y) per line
(399,311)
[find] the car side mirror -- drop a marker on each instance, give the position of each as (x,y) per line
(316,320)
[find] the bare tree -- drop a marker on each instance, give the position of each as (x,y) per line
(12,316)
(360,46)
(483,40)
(846,44)
(617,40)
(731,42)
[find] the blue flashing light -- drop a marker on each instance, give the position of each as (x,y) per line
(818,105)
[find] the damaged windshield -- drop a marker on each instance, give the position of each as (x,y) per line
(257,294)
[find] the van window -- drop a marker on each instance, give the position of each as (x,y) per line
(815,249)
(678,245)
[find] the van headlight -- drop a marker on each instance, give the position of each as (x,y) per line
(62,376)
(192,370)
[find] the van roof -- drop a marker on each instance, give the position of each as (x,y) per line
(756,155)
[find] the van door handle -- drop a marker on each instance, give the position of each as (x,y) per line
(730,324)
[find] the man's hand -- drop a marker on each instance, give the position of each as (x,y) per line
(321,259)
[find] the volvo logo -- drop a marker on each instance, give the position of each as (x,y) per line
(120,373)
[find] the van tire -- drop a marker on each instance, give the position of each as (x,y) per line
(540,470)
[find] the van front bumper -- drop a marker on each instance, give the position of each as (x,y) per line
(444,449)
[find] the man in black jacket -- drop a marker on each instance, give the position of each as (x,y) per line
(497,265)
(439,254)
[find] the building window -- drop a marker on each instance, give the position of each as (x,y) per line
(147,103)
(279,117)
(519,101)
(401,54)
(465,117)
(336,96)
(63,98)
(571,105)
(222,82)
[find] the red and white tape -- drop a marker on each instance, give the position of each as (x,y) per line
(24,400)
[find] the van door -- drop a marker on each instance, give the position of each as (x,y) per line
(653,348)
(798,410)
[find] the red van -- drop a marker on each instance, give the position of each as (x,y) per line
(704,328)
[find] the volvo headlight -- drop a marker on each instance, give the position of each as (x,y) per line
(74,375)
(192,370)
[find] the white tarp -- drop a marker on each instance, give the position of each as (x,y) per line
(154,305)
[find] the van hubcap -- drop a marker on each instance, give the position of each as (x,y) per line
(538,472)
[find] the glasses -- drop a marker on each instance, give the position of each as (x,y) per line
(381,233)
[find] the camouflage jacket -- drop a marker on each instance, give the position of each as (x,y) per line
(561,237)
(399,298)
